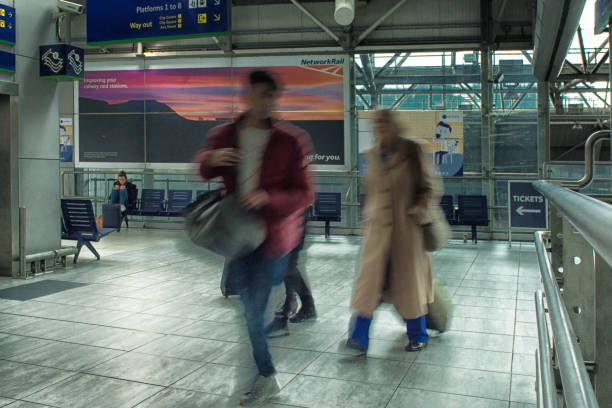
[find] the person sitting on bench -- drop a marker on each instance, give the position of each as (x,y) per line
(124,192)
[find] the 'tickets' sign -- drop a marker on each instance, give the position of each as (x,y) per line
(62,61)
(526,206)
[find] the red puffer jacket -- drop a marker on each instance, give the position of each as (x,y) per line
(284,176)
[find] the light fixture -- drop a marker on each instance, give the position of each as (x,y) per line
(344,13)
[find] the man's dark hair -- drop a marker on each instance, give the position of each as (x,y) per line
(262,77)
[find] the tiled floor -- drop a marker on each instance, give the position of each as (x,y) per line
(151,329)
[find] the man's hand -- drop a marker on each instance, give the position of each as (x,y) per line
(223,157)
(255,199)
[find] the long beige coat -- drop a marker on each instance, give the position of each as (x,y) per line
(395,267)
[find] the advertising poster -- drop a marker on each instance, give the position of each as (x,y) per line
(161,115)
(66,140)
(440,133)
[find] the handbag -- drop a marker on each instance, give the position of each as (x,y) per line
(439,310)
(436,232)
(220,224)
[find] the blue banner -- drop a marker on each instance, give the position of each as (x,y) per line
(111,21)
(527,206)
(7,61)
(7,25)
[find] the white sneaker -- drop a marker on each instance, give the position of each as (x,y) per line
(263,389)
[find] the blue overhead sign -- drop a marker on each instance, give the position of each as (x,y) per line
(526,206)
(603,12)
(7,62)
(7,25)
(110,21)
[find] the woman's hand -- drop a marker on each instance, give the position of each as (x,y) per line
(255,199)
(115,187)
(122,187)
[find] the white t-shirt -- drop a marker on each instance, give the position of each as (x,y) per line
(252,143)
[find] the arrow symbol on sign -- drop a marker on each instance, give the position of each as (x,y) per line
(217,17)
(523,211)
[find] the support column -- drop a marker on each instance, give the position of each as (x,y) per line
(353,182)
(486,131)
(543,146)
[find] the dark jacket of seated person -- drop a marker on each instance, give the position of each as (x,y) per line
(124,192)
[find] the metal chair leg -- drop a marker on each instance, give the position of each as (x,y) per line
(92,249)
(79,246)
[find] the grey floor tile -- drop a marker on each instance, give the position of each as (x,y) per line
(146,368)
(528,305)
(521,405)
(324,392)
(523,389)
(89,391)
(524,364)
(526,316)
(475,383)
(188,348)
(50,329)
(25,404)
(172,397)
(414,398)
(478,312)
(114,338)
(526,329)
(466,358)
(285,360)
(358,368)
(67,356)
(21,380)
(525,345)
(484,302)
(216,331)
(487,293)
(481,325)
(5,401)
(479,341)
(487,284)
(307,341)
(225,380)
(151,323)
(12,345)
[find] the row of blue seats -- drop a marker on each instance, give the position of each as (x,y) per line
(472,210)
(153,202)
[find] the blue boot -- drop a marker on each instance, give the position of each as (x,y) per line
(417,334)
(359,329)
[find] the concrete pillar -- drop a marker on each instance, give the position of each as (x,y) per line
(487,142)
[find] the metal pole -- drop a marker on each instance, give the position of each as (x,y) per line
(589,160)
(546,378)
(591,217)
(22,243)
(543,147)
(578,392)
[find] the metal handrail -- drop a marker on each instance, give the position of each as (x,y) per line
(547,390)
(578,391)
(589,160)
(591,217)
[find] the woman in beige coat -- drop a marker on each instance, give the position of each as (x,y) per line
(395,267)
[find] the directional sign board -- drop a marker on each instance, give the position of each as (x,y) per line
(7,25)
(110,21)
(526,206)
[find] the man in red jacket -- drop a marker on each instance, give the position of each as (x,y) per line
(264,161)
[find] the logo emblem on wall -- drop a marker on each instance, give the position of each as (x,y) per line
(52,60)
(74,59)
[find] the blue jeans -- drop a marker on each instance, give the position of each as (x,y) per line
(119,197)
(253,278)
